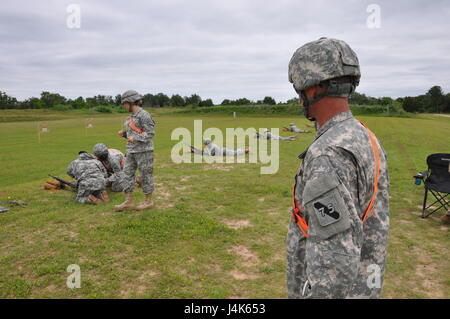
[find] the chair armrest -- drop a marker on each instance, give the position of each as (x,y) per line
(421,175)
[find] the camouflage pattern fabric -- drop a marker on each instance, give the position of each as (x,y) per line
(116,176)
(130,96)
(142,120)
(90,175)
(214,150)
(144,162)
(322,60)
(295,129)
(342,257)
(271,136)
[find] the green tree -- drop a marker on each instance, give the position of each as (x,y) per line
(52,99)
(436,99)
(243,101)
(177,100)
(269,100)
(162,100)
(194,99)
(207,102)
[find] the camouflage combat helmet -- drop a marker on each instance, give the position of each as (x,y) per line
(330,63)
(131,96)
(100,150)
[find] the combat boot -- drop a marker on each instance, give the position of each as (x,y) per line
(147,203)
(93,200)
(104,196)
(127,204)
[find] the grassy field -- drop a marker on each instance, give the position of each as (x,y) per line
(217,230)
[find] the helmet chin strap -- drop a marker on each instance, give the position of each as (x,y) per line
(308,102)
(332,88)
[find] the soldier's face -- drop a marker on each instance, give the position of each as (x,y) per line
(127,106)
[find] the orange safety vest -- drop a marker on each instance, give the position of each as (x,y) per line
(296,211)
(134,127)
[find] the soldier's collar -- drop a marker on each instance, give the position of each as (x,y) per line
(137,112)
(334,120)
(328,124)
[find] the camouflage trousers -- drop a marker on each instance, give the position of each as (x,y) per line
(117,182)
(90,186)
(296,266)
(144,162)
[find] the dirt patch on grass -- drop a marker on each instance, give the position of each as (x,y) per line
(238,275)
(219,167)
(248,258)
(148,274)
(128,292)
(236,224)
(185,178)
(429,272)
(162,196)
(406,222)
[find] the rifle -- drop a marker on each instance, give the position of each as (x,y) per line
(64,182)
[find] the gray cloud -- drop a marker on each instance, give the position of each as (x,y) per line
(218,49)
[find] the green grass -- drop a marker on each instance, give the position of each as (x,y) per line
(184,247)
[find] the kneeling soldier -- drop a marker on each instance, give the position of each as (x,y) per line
(91,179)
(113,161)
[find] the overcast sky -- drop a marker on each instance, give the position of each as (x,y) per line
(217,49)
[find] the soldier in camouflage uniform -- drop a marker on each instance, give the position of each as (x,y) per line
(139,131)
(295,129)
(91,179)
(113,160)
(337,238)
(270,136)
(214,150)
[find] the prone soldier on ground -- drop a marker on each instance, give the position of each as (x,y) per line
(212,149)
(295,129)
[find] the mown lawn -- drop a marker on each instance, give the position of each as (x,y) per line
(217,230)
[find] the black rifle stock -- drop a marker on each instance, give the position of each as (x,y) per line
(64,182)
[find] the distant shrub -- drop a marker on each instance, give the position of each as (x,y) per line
(103,109)
(120,109)
(62,107)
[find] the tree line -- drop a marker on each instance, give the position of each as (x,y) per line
(49,100)
(434,101)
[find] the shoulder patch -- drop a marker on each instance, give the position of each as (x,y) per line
(325,206)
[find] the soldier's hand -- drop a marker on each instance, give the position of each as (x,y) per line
(130,139)
(120,133)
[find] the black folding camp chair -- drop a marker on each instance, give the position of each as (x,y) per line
(437,181)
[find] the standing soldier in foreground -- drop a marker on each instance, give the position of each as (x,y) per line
(337,238)
(139,131)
